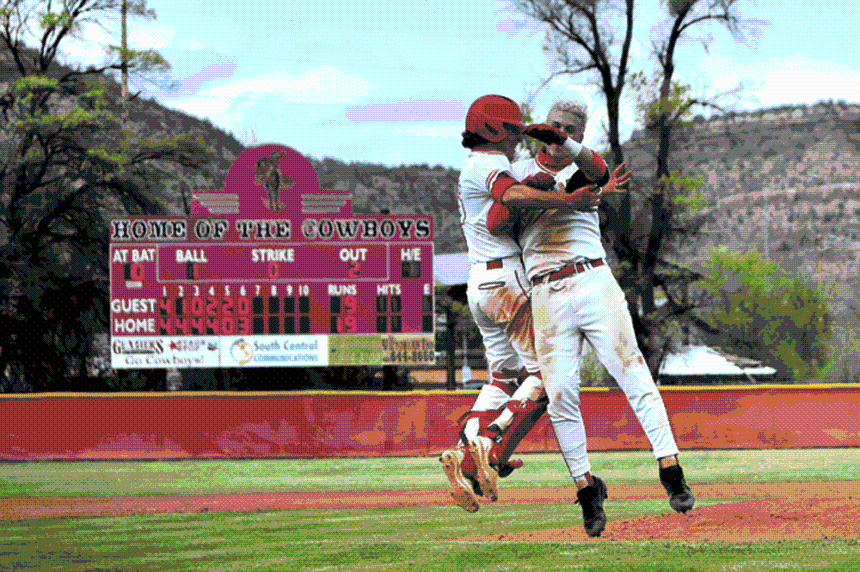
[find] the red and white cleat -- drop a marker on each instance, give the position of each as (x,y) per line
(480,449)
(461,487)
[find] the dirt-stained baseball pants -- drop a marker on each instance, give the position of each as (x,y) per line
(591,306)
(499,301)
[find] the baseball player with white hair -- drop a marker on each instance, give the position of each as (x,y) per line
(498,297)
(576,299)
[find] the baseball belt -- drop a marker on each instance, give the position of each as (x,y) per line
(568,270)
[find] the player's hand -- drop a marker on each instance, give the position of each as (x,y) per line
(546,133)
(584,198)
(617,180)
(540,180)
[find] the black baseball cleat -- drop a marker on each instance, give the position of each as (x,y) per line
(591,500)
(505,469)
(681,497)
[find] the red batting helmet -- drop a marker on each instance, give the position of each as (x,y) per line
(488,115)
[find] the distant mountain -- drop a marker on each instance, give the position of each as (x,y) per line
(415,189)
(785,181)
(789,146)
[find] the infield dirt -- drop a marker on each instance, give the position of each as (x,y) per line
(770,511)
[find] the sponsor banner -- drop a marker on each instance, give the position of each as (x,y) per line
(382,349)
(131,352)
(274,351)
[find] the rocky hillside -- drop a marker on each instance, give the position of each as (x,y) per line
(815,229)
(793,146)
(785,181)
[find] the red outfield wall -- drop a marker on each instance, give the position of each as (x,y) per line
(321,424)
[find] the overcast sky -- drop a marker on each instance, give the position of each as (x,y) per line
(389,81)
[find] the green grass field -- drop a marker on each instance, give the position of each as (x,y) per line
(390,539)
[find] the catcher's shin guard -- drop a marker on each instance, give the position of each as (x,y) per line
(526,415)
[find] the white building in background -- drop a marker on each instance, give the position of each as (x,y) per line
(451,269)
(702,364)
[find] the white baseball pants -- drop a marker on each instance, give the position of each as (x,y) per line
(499,302)
(591,306)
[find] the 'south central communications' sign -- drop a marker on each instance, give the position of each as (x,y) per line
(271,271)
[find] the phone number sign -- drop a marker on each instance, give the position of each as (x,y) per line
(271,271)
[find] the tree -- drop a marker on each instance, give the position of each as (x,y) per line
(671,214)
(758,309)
(581,38)
(667,111)
(146,62)
(67,162)
(452,303)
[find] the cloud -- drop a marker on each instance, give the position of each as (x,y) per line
(89,46)
(323,85)
(235,100)
(222,68)
(776,80)
(414,110)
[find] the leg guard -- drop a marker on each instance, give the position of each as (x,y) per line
(526,415)
(483,419)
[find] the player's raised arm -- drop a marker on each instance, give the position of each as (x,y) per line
(588,161)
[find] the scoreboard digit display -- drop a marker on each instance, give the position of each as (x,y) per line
(271,271)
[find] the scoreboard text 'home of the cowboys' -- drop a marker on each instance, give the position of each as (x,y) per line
(271,271)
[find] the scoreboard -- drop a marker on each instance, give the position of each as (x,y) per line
(271,275)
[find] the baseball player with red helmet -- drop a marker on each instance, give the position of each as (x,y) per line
(576,299)
(498,295)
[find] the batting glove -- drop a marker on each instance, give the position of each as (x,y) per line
(546,133)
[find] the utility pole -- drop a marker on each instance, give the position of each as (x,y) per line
(124,60)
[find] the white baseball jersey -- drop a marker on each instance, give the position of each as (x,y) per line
(480,171)
(552,238)
(497,295)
